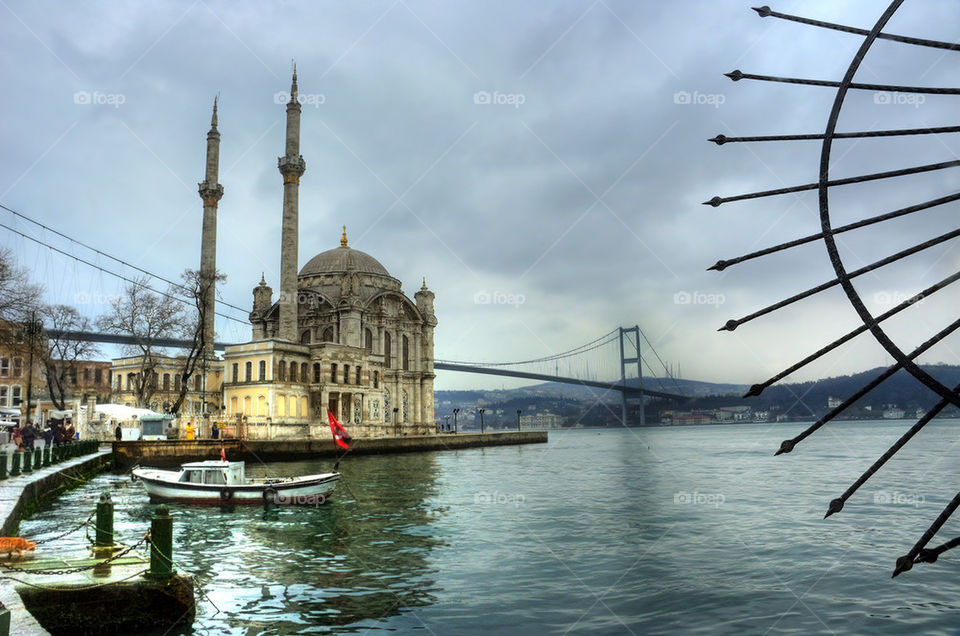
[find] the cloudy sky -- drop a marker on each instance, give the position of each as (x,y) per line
(550,157)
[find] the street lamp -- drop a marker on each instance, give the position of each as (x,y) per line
(455,412)
(480,411)
(446,419)
(518,419)
(396,430)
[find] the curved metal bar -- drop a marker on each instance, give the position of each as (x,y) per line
(765,11)
(757,389)
(788,445)
(723,139)
(823,187)
(730,325)
(717,201)
(723,264)
(736,75)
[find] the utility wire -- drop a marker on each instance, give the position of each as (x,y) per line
(113,258)
(120,276)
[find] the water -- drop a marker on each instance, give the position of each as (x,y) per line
(667,530)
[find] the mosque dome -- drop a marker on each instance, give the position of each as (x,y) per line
(339,259)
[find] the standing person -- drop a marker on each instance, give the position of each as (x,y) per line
(118,433)
(48,436)
(189,431)
(28,434)
(214,431)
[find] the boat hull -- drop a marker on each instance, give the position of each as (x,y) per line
(307,490)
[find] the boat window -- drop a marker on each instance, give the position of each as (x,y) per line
(192,476)
(215,477)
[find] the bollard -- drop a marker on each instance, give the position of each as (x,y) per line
(15,463)
(3,465)
(27,456)
(37,458)
(161,543)
(46,455)
(104,535)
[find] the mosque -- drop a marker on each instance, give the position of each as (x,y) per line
(340,336)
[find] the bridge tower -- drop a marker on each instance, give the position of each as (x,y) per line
(630,345)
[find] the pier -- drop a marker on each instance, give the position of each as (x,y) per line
(174,452)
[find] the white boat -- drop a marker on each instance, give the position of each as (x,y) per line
(215,481)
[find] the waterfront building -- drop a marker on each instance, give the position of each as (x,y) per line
(204,387)
(341,337)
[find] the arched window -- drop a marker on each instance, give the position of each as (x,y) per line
(304,371)
(316,373)
(406,354)
(177,379)
(246,405)
(304,407)
(376,379)
(346,374)
(327,335)
(262,405)
(387,346)
(233,406)
(305,337)
(282,369)
(357,409)
(197,382)
(358,375)
(368,340)
(403,408)
(333,372)
(281,405)
(386,406)
(236,372)
(293,371)
(166,381)
(263,370)
(248,372)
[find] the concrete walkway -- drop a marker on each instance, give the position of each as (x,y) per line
(15,493)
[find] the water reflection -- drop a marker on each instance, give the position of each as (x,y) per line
(358,559)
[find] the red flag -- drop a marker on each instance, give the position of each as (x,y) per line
(340,435)
(223,455)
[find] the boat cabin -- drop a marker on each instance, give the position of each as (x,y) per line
(212,472)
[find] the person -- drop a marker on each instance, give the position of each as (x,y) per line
(169,432)
(69,433)
(214,431)
(189,431)
(118,433)
(16,436)
(28,434)
(48,436)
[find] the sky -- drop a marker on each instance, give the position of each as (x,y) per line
(542,165)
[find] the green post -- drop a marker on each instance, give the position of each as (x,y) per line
(37,458)
(27,466)
(161,543)
(15,463)
(104,522)
(46,455)
(3,465)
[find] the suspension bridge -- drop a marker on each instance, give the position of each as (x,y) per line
(614,362)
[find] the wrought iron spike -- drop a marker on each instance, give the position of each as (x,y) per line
(716,201)
(940,335)
(723,139)
(905,562)
(765,11)
(722,264)
(757,389)
(836,505)
(738,75)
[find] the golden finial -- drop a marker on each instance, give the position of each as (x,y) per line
(343,237)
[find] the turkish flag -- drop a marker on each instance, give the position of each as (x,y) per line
(340,435)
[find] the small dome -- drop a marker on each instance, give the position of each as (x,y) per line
(336,260)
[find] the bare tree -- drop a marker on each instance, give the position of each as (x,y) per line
(194,288)
(64,350)
(19,299)
(146,317)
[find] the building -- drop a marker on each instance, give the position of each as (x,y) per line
(13,379)
(204,387)
(341,336)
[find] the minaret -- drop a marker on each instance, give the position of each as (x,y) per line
(210,192)
(291,166)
